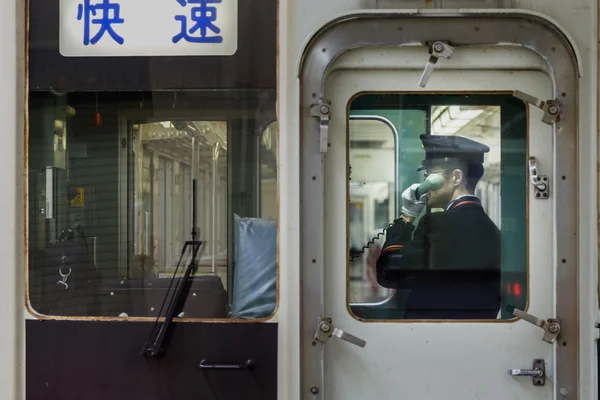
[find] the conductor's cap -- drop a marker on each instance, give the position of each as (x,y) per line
(444,148)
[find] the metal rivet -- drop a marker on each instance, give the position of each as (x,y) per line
(564,391)
(193,294)
(151,308)
(314,390)
(112,293)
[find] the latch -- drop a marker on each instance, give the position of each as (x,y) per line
(322,110)
(551,108)
(327,330)
(537,372)
(551,326)
(540,182)
(437,50)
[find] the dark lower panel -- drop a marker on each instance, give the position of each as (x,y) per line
(82,360)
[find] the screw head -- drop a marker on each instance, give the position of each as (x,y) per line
(553,110)
(325,327)
(314,390)
(553,328)
(324,109)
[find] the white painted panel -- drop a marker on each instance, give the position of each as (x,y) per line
(435,360)
(298,21)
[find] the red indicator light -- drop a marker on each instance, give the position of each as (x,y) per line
(517,289)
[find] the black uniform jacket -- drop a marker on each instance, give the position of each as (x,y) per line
(451,264)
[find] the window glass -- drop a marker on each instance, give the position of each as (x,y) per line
(459,250)
(111,202)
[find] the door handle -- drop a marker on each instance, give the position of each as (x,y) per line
(248,364)
(526,372)
(326,329)
(537,372)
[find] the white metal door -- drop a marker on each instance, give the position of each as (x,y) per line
(432,360)
(445,358)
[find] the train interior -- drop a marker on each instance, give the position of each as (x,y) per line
(111,177)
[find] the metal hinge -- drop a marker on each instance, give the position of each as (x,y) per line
(322,110)
(550,326)
(437,50)
(551,108)
(541,183)
(326,329)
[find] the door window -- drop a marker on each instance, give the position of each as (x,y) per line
(466,237)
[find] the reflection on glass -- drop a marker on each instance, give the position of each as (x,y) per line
(372,178)
(444,254)
(111,202)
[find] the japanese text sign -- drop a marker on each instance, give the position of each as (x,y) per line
(121,28)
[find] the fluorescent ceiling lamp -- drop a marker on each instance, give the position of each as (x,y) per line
(451,119)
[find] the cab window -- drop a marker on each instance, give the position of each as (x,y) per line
(112,205)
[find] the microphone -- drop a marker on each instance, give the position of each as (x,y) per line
(433,182)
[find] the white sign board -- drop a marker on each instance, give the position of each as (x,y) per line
(122,28)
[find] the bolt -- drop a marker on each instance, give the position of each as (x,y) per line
(314,390)
(553,328)
(438,47)
(553,110)
(325,327)
(324,109)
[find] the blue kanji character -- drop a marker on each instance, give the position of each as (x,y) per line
(105,20)
(203,15)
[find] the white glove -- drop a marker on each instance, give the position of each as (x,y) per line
(411,207)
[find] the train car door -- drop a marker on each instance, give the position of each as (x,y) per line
(506,84)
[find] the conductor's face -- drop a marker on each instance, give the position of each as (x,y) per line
(453,182)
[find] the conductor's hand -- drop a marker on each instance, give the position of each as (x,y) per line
(411,207)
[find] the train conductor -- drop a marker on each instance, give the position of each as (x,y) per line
(451,261)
